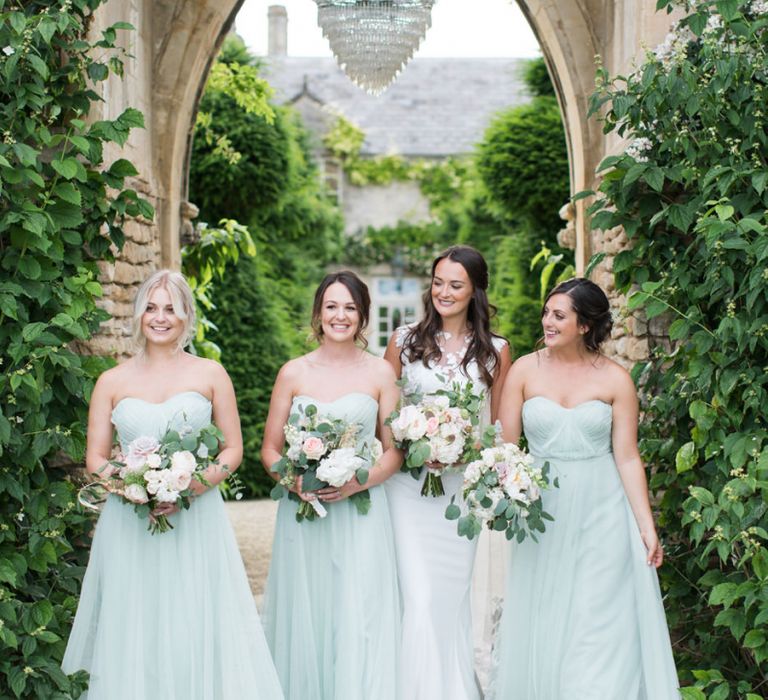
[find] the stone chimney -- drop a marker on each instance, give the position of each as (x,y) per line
(278,30)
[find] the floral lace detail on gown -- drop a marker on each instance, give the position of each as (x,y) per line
(442,657)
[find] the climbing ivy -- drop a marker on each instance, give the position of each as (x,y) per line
(61,206)
(690,192)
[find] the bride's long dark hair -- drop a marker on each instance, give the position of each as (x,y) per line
(421,341)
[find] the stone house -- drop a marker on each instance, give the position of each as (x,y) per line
(437,108)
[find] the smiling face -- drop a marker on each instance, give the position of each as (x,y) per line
(451,289)
(561,323)
(339,317)
(159,322)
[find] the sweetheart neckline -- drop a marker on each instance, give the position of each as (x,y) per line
(162,403)
(569,408)
(336,400)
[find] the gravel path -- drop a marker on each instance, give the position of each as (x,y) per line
(254,525)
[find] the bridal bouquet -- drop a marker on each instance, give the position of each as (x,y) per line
(154,472)
(502,490)
(323,452)
(440,427)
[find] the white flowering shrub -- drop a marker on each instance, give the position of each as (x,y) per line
(691,192)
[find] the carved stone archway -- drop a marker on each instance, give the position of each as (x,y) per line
(176,41)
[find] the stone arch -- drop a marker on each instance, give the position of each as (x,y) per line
(187,34)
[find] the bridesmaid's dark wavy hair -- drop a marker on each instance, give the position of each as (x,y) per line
(421,341)
(592,309)
(360,296)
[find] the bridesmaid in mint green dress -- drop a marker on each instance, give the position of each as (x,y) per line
(583,616)
(169,615)
(332,607)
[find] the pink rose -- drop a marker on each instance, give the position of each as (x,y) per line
(313,447)
(143,446)
(433,424)
(178,479)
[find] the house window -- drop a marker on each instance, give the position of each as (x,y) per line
(396,302)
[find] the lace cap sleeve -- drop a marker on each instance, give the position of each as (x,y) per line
(401,334)
(499,343)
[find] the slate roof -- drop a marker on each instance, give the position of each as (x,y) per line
(437,107)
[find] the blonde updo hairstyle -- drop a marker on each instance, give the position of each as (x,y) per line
(181,298)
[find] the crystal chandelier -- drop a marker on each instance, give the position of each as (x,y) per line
(372,40)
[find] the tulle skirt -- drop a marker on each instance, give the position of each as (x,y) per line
(583,617)
(331,607)
(169,615)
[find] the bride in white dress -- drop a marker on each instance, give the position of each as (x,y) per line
(453,343)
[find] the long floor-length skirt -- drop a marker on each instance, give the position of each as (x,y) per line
(435,571)
(332,608)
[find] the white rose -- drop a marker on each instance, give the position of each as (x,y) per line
(154,461)
(134,463)
(516,483)
(441,401)
(136,493)
(472,473)
(339,466)
(183,461)
(411,424)
(154,479)
(166,495)
(446,452)
(177,480)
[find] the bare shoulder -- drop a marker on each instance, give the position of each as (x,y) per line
(381,369)
(525,364)
(206,367)
(292,373)
(117,379)
(617,377)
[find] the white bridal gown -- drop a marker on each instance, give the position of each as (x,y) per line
(435,564)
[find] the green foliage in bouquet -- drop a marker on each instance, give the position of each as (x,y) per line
(61,208)
(690,192)
(306,424)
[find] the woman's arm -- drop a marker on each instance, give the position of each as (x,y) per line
(392,355)
(279,410)
(227,420)
(511,402)
(499,375)
(630,465)
(100,434)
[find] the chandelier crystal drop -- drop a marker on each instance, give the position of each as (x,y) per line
(372,40)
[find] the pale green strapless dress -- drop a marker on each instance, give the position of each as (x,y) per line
(331,608)
(169,615)
(583,617)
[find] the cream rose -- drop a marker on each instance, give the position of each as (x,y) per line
(136,493)
(313,448)
(183,461)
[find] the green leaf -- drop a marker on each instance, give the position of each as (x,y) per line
(702,495)
(452,512)
(66,167)
(123,168)
(68,192)
(46,28)
(686,458)
(754,639)
(98,71)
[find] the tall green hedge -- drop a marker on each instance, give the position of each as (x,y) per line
(690,191)
(261,305)
(60,211)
